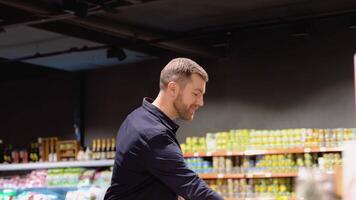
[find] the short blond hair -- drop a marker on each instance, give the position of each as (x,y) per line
(180,70)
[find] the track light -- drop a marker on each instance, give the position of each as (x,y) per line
(300,29)
(79,7)
(116,52)
(352,20)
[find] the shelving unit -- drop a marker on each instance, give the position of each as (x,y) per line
(51,165)
(206,176)
(264,152)
(249,154)
(221,175)
(246,175)
(261,198)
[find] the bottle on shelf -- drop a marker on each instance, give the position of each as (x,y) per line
(108,149)
(1,151)
(8,154)
(24,156)
(93,149)
(31,153)
(34,156)
(88,154)
(53,150)
(15,156)
(103,149)
(98,149)
(37,153)
(113,148)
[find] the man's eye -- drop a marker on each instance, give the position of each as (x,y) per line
(195,94)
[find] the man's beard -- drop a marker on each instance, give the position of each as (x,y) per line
(182,109)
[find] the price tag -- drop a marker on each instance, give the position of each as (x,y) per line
(307,150)
(268,175)
(322,149)
(196,154)
(209,153)
(229,153)
(255,152)
(249,175)
(220,175)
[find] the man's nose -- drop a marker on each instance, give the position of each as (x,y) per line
(200,101)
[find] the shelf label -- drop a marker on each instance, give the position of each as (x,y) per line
(307,150)
(229,153)
(209,153)
(255,152)
(220,175)
(249,175)
(196,154)
(268,175)
(322,149)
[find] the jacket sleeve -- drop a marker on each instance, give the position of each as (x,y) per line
(165,161)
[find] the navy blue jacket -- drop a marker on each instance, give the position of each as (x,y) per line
(149,163)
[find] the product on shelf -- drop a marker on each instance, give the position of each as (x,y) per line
(34,153)
(278,188)
(242,140)
(61,177)
(199,165)
(36,178)
(93,193)
(86,178)
(47,148)
(313,183)
(103,149)
(7,194)
(24,156)
(8,154)
(68,177)
(1,151)
(276,163)
(67,149)
(102,178)
(43,150)
(29,195)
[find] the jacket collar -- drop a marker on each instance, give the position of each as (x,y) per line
(168,122)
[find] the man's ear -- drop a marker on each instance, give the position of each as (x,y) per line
(173,89)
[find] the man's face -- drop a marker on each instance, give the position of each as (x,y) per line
(190,98)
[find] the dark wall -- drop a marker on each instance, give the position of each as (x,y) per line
(113,93)
(268,80)
(37,107)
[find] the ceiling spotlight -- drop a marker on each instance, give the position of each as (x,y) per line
(352,20)
(79,7)
(116,52)
(300,29)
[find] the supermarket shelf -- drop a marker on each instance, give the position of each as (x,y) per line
(216,153)
(293,150)
(257,198)
(264,152)
(247,175)
(53,188)
(43,188)
(271,175)
(47,165)
(221,176)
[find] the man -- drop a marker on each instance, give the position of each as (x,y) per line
(149,163)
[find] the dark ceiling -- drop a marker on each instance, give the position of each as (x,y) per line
(144,29)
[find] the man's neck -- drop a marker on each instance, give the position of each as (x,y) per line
(164,106)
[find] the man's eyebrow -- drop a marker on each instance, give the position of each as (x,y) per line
(201,91)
